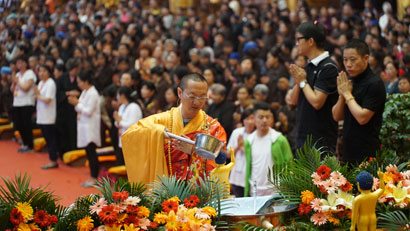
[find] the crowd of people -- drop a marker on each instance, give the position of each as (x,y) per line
(82,69)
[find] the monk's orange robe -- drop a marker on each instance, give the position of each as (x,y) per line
(146,151)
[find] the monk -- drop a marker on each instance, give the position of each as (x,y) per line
(364,205)
(148,151)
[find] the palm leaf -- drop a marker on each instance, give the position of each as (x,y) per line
(395,220)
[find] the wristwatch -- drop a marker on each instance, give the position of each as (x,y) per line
(302,84)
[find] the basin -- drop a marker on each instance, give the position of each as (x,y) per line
(265,211)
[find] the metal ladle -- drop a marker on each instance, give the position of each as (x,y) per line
(206,146)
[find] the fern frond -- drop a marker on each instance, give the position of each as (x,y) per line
(395,220)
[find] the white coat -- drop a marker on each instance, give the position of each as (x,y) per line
(88,118)
(130,115)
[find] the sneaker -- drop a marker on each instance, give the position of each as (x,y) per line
(50,166)
(23,148)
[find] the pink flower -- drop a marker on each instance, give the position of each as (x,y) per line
(120,207)
(391,168)
(376,183)
(97,206)
(144,223)
(338,178)
(382,199)
(316,179)
(330,186)
(315,204)
(318,218)
(406,183)
(406,175)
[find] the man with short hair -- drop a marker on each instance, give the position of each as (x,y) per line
(264,148)
(315,90)
(220,108)
(147,154)
(360,104)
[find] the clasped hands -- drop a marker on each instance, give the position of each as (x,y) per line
(298,73)
(344,86)
(72,97)
(179,145)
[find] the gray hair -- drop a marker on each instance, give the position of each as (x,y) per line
(218,88)
(262,88)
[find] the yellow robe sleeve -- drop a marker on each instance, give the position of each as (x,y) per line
(143,149)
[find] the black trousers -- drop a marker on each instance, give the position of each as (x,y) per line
(49,134)
(92,159)
(66,130)
(238,191)
(120,157)
(22,122)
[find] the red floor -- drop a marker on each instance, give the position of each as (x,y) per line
(63,181)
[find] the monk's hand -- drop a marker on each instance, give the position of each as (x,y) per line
(166,136)
(183,146)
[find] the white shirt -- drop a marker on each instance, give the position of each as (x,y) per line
(46,112)
(24,98)
(319,58)
(238,172)
(262,161)
(88,118)
(130,115)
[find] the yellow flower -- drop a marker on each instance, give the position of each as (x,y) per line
(172,225)
(85,224)
(388,177)
(307,197)
(333,220)
(34,227)
(143,211)
(121,217)
(171,216)
(176,199)
(23,227)
(26,210)
(131,227)
(210,211)
(113,227)
(160,218)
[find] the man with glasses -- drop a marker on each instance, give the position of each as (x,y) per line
(148,151)
(315,90)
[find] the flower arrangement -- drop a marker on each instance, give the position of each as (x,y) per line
(338,203)
(25,208)
(397,189)
(120,206)
(321,188)
(186,216)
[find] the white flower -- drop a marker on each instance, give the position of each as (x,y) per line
(201,215)
(132,201)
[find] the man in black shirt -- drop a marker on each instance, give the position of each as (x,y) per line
(315,90)
(361,104)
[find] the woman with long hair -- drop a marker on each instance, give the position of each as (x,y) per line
(88,122)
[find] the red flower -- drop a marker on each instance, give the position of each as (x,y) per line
(41,218)
(341,213)
(169,205)
(132,209)
(108,215)
(15,217)
(120,195)
(193,200)
(323,171)
(397,177)
(346,187)
(131,219)
(154,225)
(53,219)
(304,209)
(322,189)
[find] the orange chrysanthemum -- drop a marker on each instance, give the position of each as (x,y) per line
(307,197)
(191,202)
(170,205)
(108,215)
(120,195)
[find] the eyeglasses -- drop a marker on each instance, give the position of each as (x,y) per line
(192,97)
(302,37)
